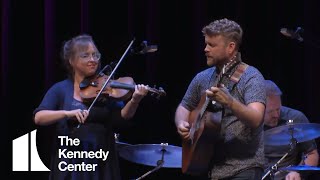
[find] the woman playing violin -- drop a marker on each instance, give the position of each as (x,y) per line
(86,151)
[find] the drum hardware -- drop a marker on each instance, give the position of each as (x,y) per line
(159,163)
(120,144)
(293,142)
(158,155)
(274,168)
(289,134)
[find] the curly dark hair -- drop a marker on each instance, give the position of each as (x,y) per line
(231,30)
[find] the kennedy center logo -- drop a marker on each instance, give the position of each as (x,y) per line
(25,156)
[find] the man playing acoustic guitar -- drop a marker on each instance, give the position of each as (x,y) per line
(220,117)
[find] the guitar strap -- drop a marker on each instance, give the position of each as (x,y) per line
(234,79)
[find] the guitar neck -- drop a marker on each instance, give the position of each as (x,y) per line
(204,107)
(202,110)
(207,101)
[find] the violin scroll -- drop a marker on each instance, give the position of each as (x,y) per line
(158,92)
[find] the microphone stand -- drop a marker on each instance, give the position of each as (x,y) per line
(111,74)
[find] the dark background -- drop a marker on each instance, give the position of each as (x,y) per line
(32,34)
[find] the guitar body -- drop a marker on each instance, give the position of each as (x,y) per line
(196,155)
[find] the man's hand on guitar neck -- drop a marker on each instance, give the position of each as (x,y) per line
(221,95)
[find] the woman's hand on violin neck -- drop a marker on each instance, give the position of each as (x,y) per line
(130,108)
(139,92)
(80,114)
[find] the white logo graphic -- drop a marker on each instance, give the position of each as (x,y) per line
(21,157)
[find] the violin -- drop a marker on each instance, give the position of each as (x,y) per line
(120,89)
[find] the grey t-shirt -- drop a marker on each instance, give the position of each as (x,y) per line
(239,147)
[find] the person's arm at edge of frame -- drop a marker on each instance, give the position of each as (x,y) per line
(312,158)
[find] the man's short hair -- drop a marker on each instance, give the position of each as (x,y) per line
(272,88)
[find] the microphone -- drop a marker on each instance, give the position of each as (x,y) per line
(148,49)
(145,48)
(292,34)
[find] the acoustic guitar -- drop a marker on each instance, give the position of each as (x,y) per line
(197,152)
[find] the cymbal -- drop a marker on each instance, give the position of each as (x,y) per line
(119,144)
(281,135)
(122,144)
(152,154)
(301,168)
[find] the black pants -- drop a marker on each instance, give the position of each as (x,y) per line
(249,174)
